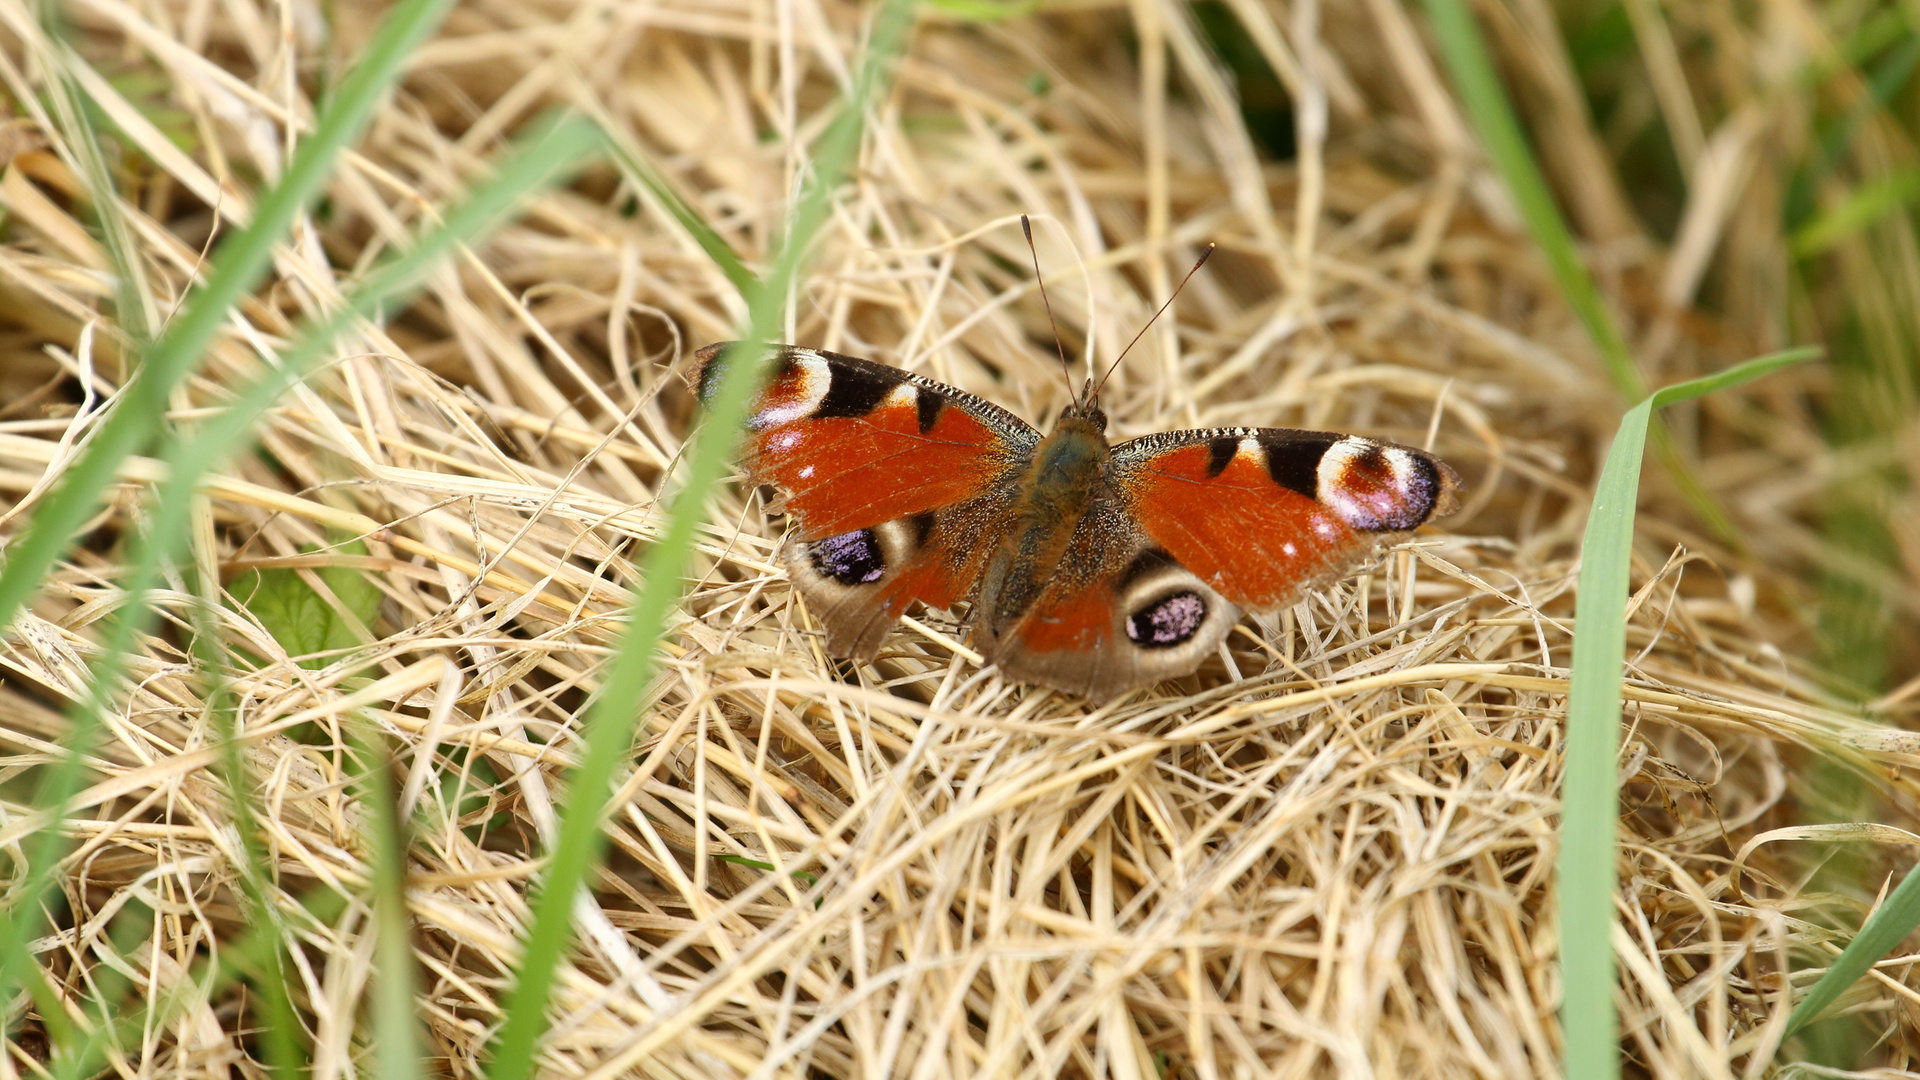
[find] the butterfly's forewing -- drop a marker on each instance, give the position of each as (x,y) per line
(1260,514)
(898,485)
(853,444)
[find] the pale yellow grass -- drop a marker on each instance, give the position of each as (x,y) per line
(1330,853)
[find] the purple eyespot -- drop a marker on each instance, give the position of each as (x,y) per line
(1168,621)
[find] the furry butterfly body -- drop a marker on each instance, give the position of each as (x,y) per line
(1092,567)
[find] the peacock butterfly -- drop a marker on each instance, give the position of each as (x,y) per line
(1091,567)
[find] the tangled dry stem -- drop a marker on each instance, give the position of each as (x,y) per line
(1329,853)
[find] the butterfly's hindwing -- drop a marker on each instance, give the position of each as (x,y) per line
(850,582)
(1118,613)
(858,583)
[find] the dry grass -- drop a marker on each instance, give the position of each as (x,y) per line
(1337,863)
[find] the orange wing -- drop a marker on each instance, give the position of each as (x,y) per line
(853,444)
(899,485)
(1260,514)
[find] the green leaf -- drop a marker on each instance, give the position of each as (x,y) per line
(1590,807)
(305,623)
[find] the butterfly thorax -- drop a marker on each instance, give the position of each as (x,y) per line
(1067,473)
(1066,466)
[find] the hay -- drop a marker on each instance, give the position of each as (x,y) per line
(1329,852)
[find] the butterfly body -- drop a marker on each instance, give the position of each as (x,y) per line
(1093,567)
(1065,476)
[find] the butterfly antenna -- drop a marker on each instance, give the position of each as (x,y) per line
(1198,263)
(1065,368)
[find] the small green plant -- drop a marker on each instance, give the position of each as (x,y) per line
(311,625)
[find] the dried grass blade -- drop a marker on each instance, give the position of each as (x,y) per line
(613,716)
(1590,807)
(1486,101)
(237,266)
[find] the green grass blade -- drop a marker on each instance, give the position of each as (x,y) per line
(396,1029)
(613,716)
(1486,102)
(110,983)
(1861,208)
(642,172)
(68,108)
(559,148)
(1886,928)
(986,11)
(237,265)
(246,956)
(1590,811)
(282,1038)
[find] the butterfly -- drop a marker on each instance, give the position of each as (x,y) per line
(1092,567)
